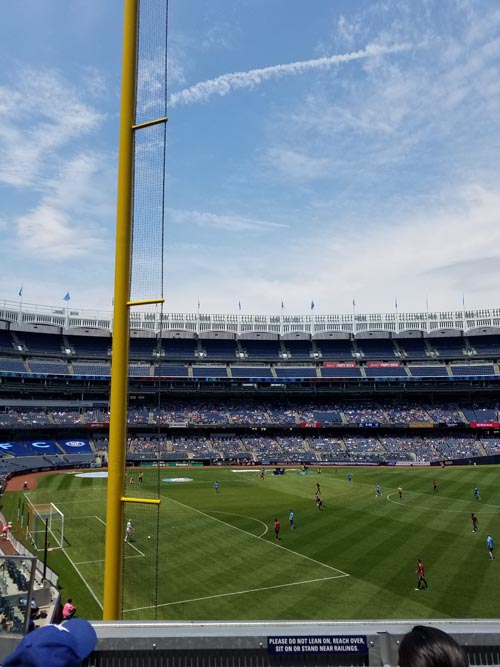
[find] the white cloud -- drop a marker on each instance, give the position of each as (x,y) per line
(67,221)
(222,85)
(218,36)
(439,253)
(40,114)
(296,165)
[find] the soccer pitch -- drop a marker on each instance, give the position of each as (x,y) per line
(218,558)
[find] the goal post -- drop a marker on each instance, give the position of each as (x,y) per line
(41,517)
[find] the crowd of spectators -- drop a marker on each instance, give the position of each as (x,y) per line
(253,413)
(280,447)
(414,448)
(289,442)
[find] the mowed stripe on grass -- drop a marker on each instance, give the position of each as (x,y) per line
(212,565)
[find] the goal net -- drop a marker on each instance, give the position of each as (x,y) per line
(45,517)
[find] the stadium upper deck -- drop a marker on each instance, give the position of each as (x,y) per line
(473,322)
(39,341)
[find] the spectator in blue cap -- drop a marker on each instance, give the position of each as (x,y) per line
(64,645)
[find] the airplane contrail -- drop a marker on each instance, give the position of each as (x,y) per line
(224,84)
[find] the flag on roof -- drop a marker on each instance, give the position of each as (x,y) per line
(312,304)
(67,297)
(20,291)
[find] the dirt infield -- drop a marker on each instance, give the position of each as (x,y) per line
(16,483)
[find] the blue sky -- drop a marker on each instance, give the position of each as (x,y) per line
(326,151)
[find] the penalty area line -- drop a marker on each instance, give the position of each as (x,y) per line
(223,595)
(101,560)
(82,578)
(257,537)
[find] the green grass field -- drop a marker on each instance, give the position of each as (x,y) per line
(218,558)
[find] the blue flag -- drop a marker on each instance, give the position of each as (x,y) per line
(312,305)
(20,291)
(67,297)
(239,305)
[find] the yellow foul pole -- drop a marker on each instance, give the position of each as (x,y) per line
(119,374)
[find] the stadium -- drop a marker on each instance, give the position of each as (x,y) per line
(407,403)
(249,489)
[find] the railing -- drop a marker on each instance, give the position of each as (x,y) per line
(19,313)
(269,643)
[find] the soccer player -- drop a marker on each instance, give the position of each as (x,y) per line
(277,526)
(400,491)
(435,486)
(319,502)
(473,518)
(378,492)
(477,495)
(318,488)
(349,478)
(141,475)
(491,546)
(216,487)
(421,576)
(291,517)
(128,531)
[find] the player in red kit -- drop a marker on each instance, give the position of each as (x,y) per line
(277,526)
(421,576)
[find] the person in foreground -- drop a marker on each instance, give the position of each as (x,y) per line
(425,646)
(64,645)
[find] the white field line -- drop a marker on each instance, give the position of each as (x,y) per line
(135,549)
(75,564)
(59,502)
(296,553)
(76,568)
(266,528)
(480,505)
(82,578)
(223,595)
(88,562)
(129,543)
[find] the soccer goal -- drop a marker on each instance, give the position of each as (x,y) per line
(45,517)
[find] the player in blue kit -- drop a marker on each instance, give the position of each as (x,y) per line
(491,546)
(291,517)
